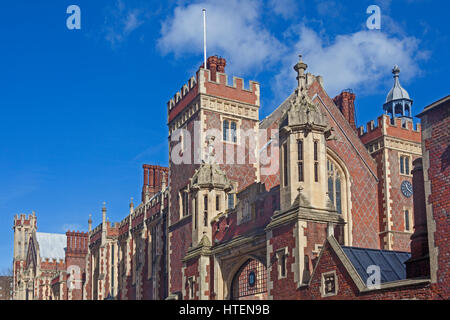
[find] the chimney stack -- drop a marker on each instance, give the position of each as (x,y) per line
(153,180)
(211,64)
(221,63)
(346,103)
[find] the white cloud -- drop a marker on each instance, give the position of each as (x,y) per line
(329,8)
(359,60)
(234,31)
(123,21)
(362,60)
(285,8)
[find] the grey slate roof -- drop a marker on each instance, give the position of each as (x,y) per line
(391,263)
(52,245)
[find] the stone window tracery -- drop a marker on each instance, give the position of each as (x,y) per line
(334,185)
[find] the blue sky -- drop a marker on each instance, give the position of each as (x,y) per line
(82,110)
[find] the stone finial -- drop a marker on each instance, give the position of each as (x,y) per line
(90,223)
(164,182)
(300,68)
(131,205)
(104,212)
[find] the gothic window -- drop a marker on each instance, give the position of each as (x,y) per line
(184,205)
(334,185)
(300,159)
(285,164)
(316,161)
(282,259)
(195,204)
(250,280)
(217,203)
(231,201)
(205,209)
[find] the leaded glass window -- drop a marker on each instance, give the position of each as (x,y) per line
(334,185)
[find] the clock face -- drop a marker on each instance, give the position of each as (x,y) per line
(407,189)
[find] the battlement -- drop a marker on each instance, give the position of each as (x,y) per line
(385,127)
(112,229)
(52,264)
(24,220)
(124,226)
(184,91)
(213,81)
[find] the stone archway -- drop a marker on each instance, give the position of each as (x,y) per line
(250,281)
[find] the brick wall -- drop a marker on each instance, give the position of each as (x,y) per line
(435,144)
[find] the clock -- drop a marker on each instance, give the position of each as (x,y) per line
(407,189)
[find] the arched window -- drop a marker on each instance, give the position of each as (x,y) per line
(334,185)
(250,282)
(339,194)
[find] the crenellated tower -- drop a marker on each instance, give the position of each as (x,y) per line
(394,142)
(23,227)
(209,116)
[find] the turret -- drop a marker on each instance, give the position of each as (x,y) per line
(23,228)
(398,103)
(304,130)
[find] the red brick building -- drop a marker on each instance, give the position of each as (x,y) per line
(299,205)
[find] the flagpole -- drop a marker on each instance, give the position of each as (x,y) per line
(204,38)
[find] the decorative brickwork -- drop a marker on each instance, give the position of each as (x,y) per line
(222,222)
